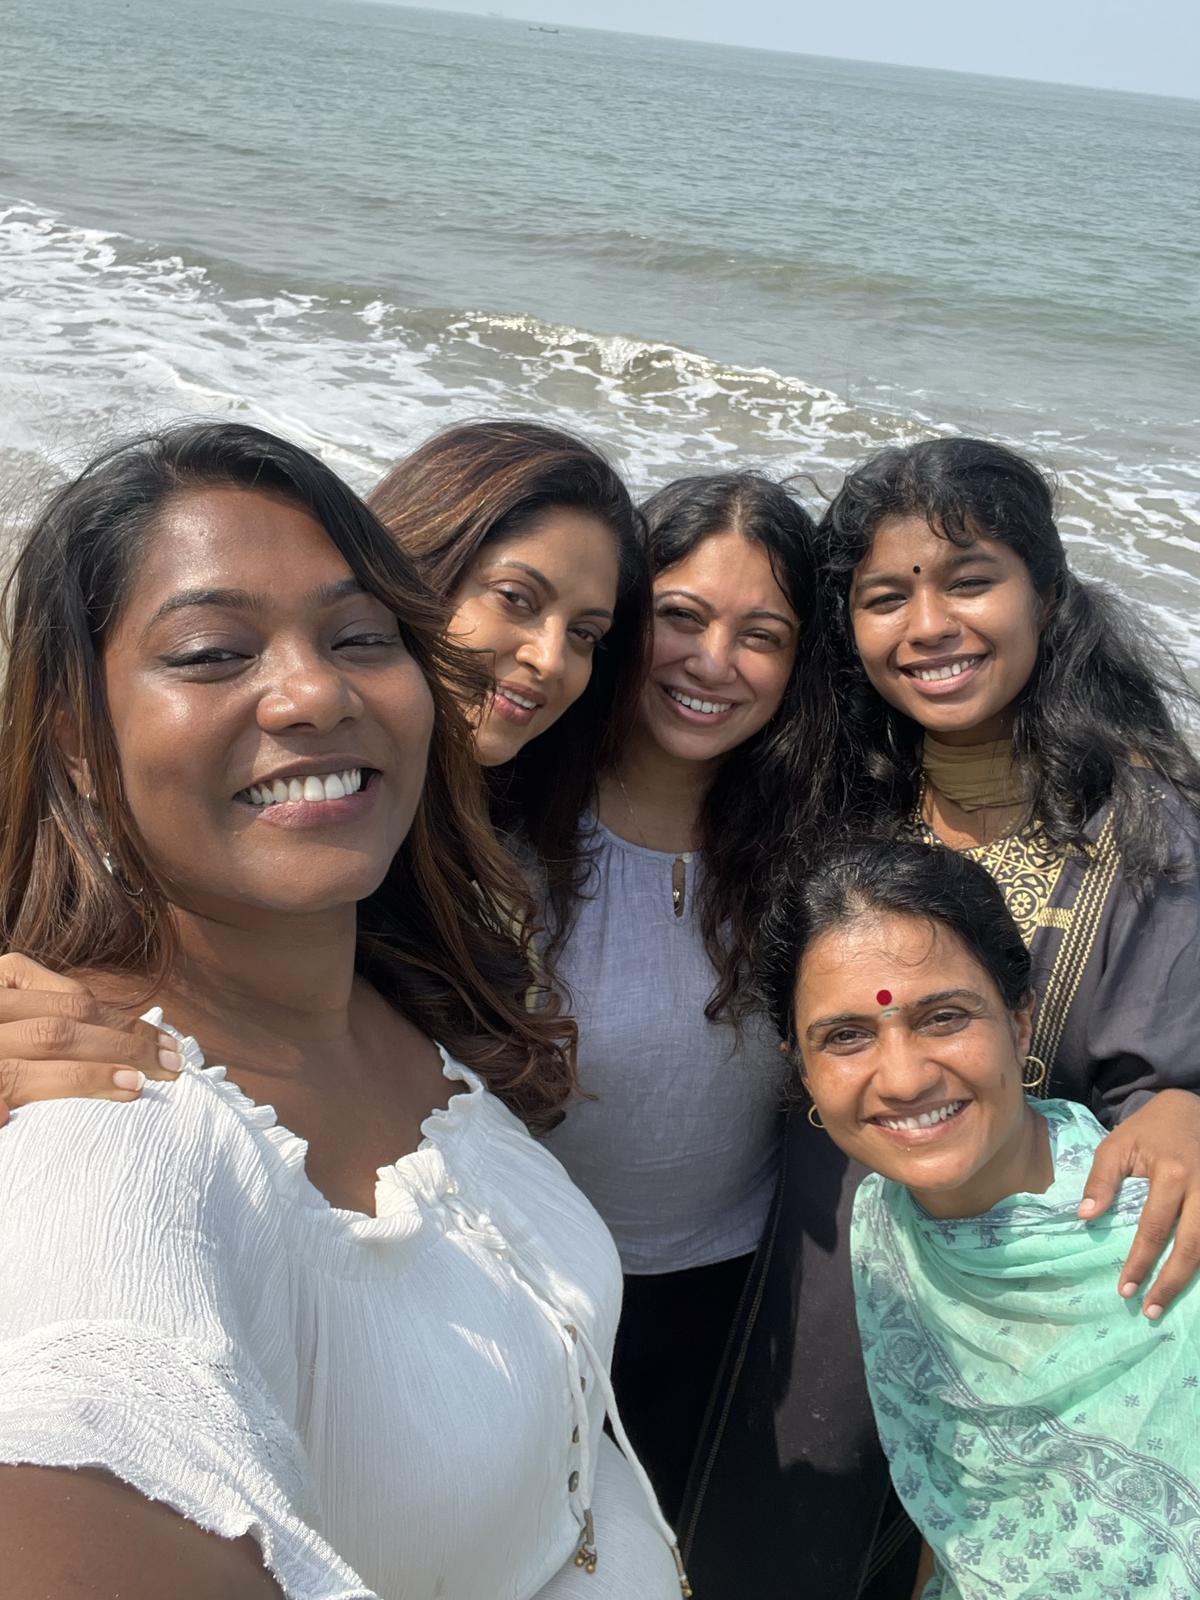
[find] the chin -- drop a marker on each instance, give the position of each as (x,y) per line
(494,747)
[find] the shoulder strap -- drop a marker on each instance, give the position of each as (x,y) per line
(1077,942)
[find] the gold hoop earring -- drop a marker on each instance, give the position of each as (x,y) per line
(814,1116)
(1039,1076)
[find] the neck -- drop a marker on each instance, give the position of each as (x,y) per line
(998,727)
(976,777)
(664,794)
(1023,1165)
(289,976)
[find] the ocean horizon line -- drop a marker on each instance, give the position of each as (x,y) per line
(486,14)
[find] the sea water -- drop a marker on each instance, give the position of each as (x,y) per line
(355,223)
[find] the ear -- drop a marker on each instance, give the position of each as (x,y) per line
(66,736)
(1023,1025)
(792,1054)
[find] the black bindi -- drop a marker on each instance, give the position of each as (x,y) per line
(917,570)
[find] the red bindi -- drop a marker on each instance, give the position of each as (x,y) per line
(884,997)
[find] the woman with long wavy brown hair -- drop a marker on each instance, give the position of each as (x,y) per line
(323,1321)
(531,537)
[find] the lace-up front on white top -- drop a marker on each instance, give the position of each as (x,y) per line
(401,1406)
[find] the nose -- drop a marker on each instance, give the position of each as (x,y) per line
(929,618)
(308,692)
(544,649)
(904,1070)
(711,660)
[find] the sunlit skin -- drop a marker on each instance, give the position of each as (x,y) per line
(725,634)
(538,604)
(247,652)
(919,602)
(944,1041)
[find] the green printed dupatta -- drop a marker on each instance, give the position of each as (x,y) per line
(1043,1435)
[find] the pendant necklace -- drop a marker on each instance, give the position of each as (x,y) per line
(678,867)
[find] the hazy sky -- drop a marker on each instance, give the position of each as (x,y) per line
(1152,46)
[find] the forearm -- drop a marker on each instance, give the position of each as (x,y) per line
(924,1571)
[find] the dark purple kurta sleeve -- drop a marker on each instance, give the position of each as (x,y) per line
(1134,1022)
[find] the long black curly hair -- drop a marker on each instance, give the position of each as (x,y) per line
(765,801)
(1101,701)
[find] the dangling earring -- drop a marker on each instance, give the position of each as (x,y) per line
(107,860)
(814,1116)
(1039,1076)
(117,876)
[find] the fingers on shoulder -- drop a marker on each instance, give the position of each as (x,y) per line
(22,972)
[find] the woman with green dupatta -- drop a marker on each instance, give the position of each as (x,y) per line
(1042,1433)
(991,698)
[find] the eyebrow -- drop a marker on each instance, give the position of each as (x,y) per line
(968,557)
(242,600)
(914,1005)
(758,615)
(551,592)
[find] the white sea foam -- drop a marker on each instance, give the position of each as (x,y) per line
(100,338)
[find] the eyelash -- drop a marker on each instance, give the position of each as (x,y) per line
(368,640)
(881,600)
(204,658)
(947,1016)
(522,603)
(845,1036)
(215,656)
(678,614)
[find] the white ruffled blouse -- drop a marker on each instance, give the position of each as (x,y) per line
(398,1407)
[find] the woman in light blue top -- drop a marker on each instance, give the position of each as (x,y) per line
(676,1138)
(1043,1434)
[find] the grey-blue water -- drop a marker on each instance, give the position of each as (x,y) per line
(356,222)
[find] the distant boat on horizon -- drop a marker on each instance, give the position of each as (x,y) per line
(540,27)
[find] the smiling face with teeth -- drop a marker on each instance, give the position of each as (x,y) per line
(947,633)
(725,640)
(271,725)
(926,1090)
(537,603)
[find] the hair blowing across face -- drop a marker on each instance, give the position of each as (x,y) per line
(479,482)
(1099,699)
(436,938)
(878,877)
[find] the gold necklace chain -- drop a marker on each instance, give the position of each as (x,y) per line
(678,867)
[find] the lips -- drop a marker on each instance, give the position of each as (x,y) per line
(309,797)
(943,675)
(313,787)
(697,709)
(922,1126)
(517,703)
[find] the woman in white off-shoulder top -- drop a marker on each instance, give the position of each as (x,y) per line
(367,1357)
(425,1386)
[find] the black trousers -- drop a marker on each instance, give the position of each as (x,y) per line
(672,1336)
(790,1497)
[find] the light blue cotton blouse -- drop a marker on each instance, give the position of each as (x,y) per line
(679,1148)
